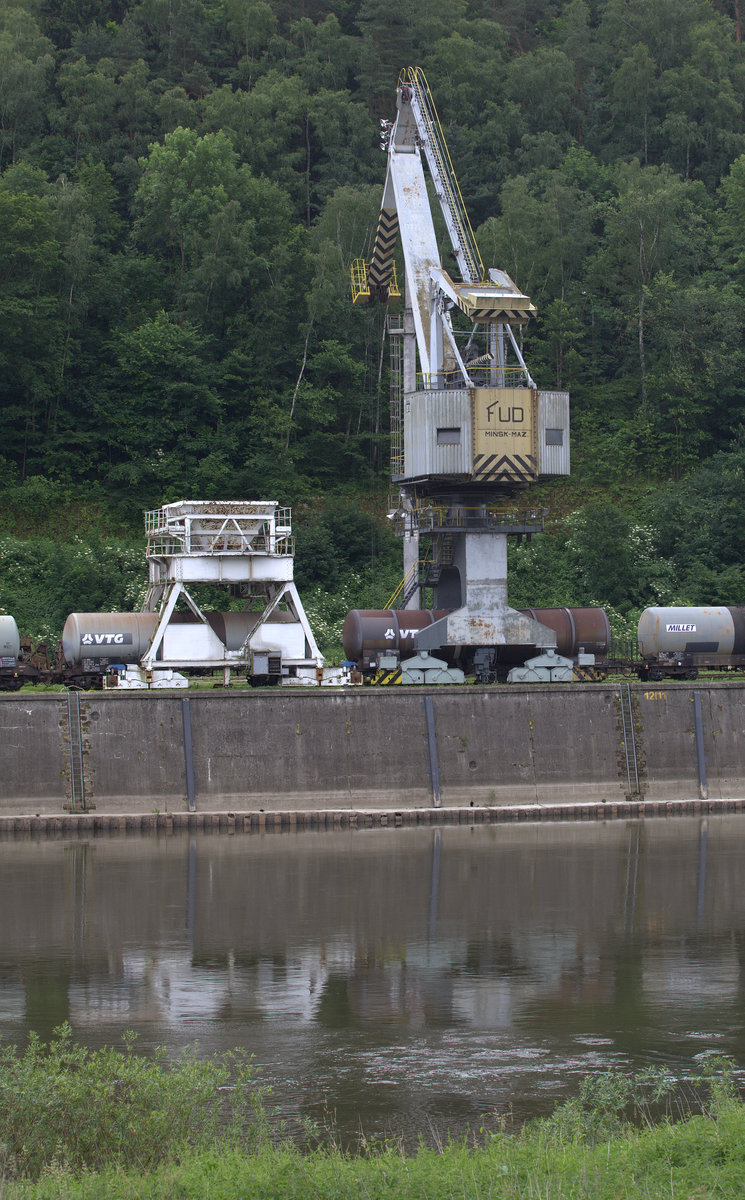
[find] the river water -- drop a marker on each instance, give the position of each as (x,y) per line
(392,981)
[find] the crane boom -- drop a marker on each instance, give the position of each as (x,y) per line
(432,140)
(489,299)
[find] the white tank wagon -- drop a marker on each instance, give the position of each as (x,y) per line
(680,641)
(99,639)
(10,642)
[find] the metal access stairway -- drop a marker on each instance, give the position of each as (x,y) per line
(425,573)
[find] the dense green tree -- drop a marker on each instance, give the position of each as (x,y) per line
(88,106)
(731,220)
(634,88)
(211,222)
(32,331)
(542,84)
(656,224)
(185,39)
(250,25)
(703,108)
(524,21)
(320,53)
(668,28)
(26,66)
(395,35)
(701,531)
(63,19)
(161,414)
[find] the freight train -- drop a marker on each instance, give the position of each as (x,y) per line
(673,643)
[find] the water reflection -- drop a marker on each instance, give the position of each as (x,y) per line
(405,978)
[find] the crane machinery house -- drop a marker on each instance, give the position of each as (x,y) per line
(470,431)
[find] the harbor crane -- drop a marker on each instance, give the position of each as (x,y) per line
(470,431)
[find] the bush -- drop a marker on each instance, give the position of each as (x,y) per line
(78,1109)
(43,580)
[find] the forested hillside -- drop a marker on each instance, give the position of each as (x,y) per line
(183,185)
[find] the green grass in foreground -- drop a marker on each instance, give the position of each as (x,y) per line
(700,1157)
(81,1124)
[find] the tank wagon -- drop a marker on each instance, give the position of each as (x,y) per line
(23,662)
(10,654)
(369,634)
(678,642)
(10,642)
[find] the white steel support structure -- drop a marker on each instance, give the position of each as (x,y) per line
(246,547)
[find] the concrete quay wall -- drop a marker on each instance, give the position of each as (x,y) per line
(293,750)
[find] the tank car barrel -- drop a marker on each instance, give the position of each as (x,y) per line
(576,629)
(368,633)
(678,641)
(112,637)
(711,630)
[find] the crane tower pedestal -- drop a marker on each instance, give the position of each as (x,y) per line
(484,618)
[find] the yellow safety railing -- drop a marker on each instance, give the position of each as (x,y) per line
(403,586)
(360,285)
(396,595)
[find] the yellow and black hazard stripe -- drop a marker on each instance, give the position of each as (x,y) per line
(501,315)
(505,468)
(380,267)
(588,674)
(386,676)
